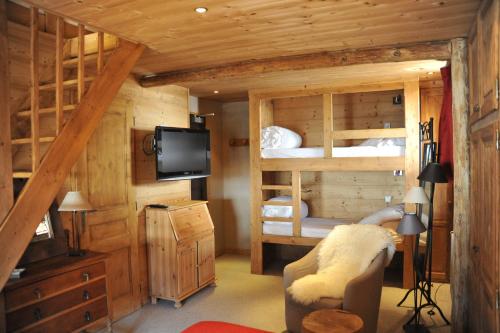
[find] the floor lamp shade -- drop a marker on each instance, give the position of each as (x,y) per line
(74,202)
(416,195)
(410,225)
(433,173)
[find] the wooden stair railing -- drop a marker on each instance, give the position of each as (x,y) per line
(72,55)
(18,227)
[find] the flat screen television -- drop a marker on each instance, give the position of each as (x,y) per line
(182,153)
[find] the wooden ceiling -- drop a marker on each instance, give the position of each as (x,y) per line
(235,31)
(238,30)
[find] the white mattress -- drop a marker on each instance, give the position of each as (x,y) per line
(311,227)
(317,152)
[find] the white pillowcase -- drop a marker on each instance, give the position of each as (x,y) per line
(283,211)
(279,137)
(383,215)
(384,142)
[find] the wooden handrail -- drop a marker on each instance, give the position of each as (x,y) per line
(43,186)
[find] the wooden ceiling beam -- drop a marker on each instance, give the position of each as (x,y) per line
(438,50)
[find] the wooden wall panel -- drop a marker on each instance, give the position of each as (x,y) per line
(167,106)
(236,161)
(105,174)
(6,186)
(215,182)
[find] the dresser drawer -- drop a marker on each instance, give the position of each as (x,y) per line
(17,298)
(73,320)
(41,310)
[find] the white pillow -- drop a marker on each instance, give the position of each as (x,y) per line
(384,142)
(383,215)
(279,137)
(283,211)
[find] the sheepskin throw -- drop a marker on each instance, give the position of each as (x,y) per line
(345,254)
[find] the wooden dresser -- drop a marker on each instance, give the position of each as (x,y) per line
(60,294)
(181,250)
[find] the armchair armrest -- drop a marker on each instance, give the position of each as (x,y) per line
(302,267)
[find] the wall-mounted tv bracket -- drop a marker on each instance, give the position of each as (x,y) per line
(149,145)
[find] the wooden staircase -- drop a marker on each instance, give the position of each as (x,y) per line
(89,70)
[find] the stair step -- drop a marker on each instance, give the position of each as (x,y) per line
(22,174)
(24,141)
(66,84)
(27,113)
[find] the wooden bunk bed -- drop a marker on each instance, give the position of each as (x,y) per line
(261,115)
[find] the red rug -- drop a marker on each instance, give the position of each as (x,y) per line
(220,327)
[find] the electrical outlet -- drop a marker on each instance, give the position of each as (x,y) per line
(387,125)
(388,199)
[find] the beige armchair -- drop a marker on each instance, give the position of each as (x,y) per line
(362,294)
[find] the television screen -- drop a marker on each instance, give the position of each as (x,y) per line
(182,153)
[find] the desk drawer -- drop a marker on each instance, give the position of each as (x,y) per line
(73,320)
(41,290)
(51,306)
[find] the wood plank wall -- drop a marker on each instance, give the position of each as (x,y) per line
(215,183)
(344,195)
(105,174)
(6,193)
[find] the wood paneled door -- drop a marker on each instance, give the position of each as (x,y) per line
(104,174)
(485,165)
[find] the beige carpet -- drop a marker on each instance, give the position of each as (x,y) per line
(256,301)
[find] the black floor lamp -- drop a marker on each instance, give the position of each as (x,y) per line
(433,173)
(411,225)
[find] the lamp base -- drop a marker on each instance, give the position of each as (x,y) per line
(76,253)
(415,328)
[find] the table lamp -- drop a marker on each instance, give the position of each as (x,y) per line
(75,202)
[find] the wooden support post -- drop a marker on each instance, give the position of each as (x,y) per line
(42,187)
(59,74)
(328,124)
(35,93)
(412,118)
(255,109)
(81,62)
(296,198)
(100,52)
(460,259)
(6,188)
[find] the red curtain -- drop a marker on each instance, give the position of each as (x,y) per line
(446,125)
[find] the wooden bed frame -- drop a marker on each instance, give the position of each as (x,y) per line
(261,115)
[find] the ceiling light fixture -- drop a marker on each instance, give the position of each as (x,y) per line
(201,10)
(216,91)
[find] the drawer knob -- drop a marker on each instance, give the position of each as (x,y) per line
(476,108)
(37,313)
(86,276)
(38,293)
(88,316)
(86,295)
(475,248)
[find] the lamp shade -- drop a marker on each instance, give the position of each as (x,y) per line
(74,202)
(416,195)
(410,225)
(433,173)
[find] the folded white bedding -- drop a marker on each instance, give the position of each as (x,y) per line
(318,152)
(279,137)
(310,227)
(283,211)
